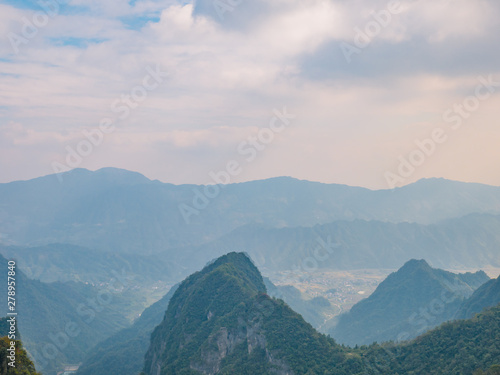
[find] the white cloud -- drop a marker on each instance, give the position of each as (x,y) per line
(225,81)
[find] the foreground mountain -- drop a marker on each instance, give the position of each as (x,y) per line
(60,322)
(486,295)
(123,353)
(407,303)
(118,210)
(221,321)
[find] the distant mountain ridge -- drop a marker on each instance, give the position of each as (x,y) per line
(463,243)
(407,303)
(468,242)
(118,210)
(63,262)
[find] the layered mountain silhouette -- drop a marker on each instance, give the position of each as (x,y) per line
(225,318)
(406,304)
(77,228)
(117,210)
(470,241)
(63,262)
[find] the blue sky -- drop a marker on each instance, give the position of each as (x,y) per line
(229,66)
(65,6)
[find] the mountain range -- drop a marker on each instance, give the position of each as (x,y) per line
(122,211)
(463,243)
(92,222)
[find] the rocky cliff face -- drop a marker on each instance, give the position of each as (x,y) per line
(249,335)
(223,343)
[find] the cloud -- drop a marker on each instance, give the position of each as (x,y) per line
(227,73)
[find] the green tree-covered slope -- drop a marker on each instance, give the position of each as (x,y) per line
(221,321)
(407,303)
(460,347)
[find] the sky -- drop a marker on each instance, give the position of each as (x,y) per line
(359,92)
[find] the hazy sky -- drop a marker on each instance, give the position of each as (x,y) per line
(185,84)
